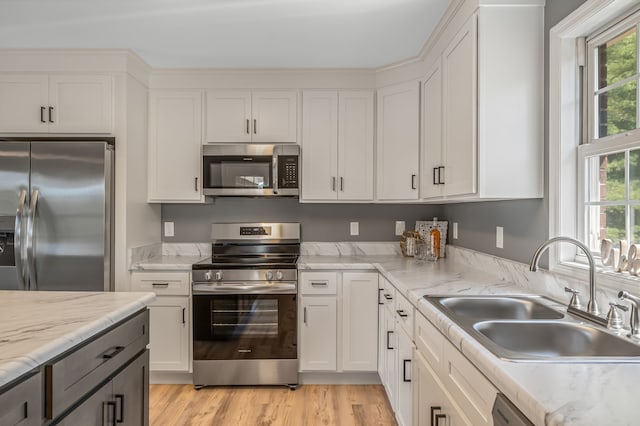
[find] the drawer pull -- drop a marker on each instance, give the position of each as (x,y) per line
(115,352)
(434,408)
(317,284)
(401,313)
(111,407)
(404,370)
(162,285)
(439,417)
(388,333)
(379,301)
(120,401)
(388,297)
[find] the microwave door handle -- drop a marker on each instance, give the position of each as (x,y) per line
(275,171)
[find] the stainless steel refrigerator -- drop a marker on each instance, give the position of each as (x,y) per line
(56,207)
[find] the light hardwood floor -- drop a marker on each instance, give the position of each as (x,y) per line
(309,405)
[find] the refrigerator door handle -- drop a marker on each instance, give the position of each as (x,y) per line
(17,239)
(31,222)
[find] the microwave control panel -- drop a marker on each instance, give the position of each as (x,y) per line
(288,171)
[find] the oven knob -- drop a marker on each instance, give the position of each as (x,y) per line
(268,275)
(279,275)
(207,276)
(218,275)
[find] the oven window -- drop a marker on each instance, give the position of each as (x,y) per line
(250,172)
(247,326)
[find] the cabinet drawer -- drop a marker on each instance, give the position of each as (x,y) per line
(21,405)
(76,372)
(161,283)
(404,313)
(318,282)
(429,341)
(387,292)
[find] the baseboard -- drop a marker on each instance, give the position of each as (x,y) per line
(322,378)
(170,378)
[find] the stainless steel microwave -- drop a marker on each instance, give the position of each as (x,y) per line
(251,170)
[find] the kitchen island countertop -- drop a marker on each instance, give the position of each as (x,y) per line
(36,326)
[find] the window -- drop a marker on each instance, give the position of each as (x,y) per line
(594,135)
(609,156)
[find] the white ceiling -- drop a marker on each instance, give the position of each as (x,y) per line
(229,33)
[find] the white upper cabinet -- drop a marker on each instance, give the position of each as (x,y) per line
(267,116)
(337,145)
(397,147)
(482,121)
(65,103)
(175,137)
(431,152)
(459,100)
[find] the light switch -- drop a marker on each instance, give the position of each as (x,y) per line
(355,228)
(455,230)
(499,237)
(168,229)
(399,227)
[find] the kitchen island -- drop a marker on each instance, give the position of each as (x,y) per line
(64,347)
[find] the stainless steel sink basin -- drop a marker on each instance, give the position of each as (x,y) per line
(503,308)
(554,339)
(532,328)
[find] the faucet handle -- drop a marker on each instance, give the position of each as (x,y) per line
(614,320)
(575,299)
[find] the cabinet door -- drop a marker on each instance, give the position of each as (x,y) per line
(318,334)
(175,134)
(359,321)
(397,147)
(404,378)
(274,116)
(228,116)
(21,405)
(459,63)
(391,348)
(355,146)
(98,409)
(24,100)
(319,145)
(431,152)
(382,344)
(131,393)
(430,398)
(80,104)
(169,333)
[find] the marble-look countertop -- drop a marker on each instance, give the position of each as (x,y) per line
(166,263)
(36,326)
(547,393)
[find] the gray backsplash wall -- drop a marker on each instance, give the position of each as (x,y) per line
(319,222)
(525,223)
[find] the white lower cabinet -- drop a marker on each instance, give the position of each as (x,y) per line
(404,363)
(337,321)
(170,319)
(432,405)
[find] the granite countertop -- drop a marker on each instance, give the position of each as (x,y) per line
(547,393)
(36,326)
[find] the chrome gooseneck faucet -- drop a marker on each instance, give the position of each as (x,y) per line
(592,312)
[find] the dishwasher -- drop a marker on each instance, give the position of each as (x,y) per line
(506,414)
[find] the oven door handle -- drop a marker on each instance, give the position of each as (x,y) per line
(239,287)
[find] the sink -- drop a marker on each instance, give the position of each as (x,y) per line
(528,328)
(502,308)
(555,339)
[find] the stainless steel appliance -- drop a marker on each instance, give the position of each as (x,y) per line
(55,214)
(244,306)
(251,170)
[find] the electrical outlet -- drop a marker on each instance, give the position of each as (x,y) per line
(455,230)
(399,227)
(168,229)
(499,237)
(355,228)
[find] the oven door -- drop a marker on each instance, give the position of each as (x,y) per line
(244,326)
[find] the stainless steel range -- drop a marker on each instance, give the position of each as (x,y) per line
(244,306)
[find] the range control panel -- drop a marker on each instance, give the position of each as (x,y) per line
(255,230)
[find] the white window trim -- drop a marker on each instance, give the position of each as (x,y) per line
(565,53)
